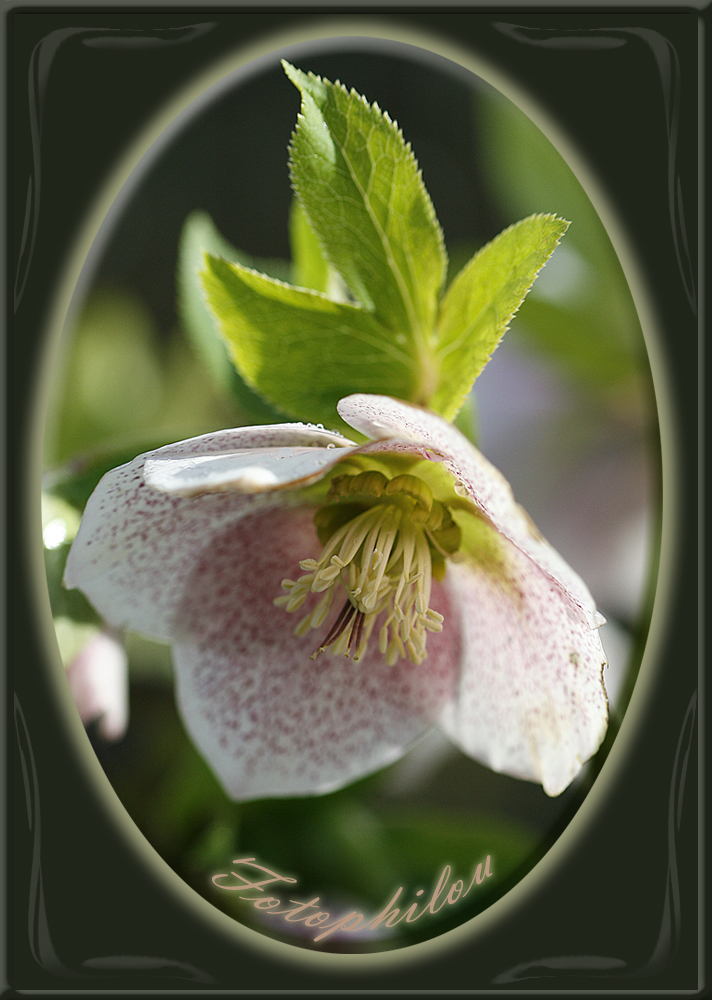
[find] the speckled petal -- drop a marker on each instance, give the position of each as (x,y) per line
(531,700)
(268,718)
(136,546)
(381,417)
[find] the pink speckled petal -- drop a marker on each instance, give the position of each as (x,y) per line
(531,700)
(136,546)
(268,718)
(381,417)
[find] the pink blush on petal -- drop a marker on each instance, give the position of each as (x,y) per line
(269,718)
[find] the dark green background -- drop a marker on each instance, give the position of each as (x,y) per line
(602,84)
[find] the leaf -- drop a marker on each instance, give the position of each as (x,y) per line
(200,234)
(363,194)
(309,268)
(301,350)
(481,301)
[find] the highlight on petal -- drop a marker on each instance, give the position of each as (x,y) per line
(135,545)
(269,719)
(531,700)
(383,418)
(250,470)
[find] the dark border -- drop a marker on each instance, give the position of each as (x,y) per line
(622,912)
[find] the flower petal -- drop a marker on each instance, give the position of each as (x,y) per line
(99,681)
(252,469)
(268,718)
(381,417)
(135,545)
(532,701)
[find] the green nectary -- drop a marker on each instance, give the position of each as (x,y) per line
(351,494)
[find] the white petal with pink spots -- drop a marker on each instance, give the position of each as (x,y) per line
(196,559)
(271,720)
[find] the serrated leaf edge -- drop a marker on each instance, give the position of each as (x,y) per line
(386,346)
(430,208)
(549,216)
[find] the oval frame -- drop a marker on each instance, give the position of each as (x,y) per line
(101,222)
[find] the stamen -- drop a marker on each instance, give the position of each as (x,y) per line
(356,631)
(345,616)
(339,648)
(303,626)
(324,578)
(370,621)
(383,639)
(378,545)
(322,609)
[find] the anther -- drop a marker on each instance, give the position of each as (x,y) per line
(379,539)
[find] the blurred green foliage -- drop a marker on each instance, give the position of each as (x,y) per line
(199,236)
(580,314)
(119,381)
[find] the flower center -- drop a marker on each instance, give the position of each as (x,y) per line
(384,540)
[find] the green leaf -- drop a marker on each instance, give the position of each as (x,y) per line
(199,235)
(481,301)
(301,350)
(363,194)
(309,267)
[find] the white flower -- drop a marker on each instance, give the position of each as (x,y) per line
(449,606)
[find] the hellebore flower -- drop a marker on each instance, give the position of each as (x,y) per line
(425,595)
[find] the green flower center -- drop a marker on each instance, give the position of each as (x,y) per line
(384,540)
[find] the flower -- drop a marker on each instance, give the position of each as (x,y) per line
(450,607)
(98,680)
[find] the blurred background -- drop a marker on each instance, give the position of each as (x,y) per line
(565,410)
